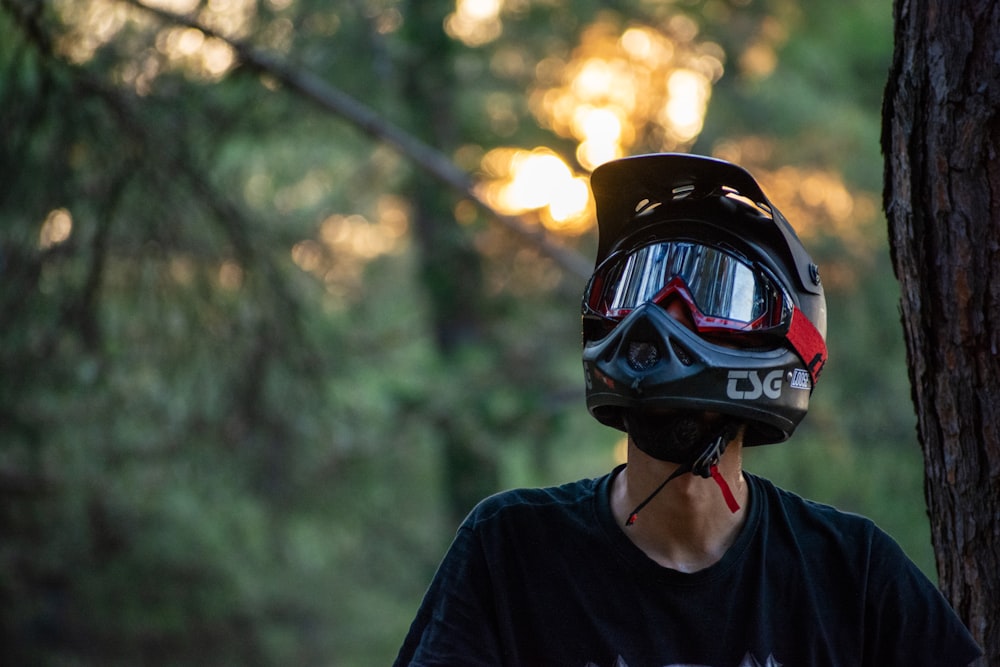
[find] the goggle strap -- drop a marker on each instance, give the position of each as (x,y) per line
(807,342)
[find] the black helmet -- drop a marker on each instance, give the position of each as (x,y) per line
(699,232)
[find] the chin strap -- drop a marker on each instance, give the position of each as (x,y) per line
(727,493)
(706,465)
(677,473)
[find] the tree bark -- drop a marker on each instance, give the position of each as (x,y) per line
(941,141)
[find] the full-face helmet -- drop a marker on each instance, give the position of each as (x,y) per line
(698,233)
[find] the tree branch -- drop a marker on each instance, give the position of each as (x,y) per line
(375,126)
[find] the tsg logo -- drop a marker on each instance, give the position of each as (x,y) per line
(747,385)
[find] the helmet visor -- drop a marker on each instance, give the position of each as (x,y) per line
(724,291)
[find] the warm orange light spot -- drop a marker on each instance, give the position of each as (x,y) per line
(345,244)
(568,202)
(94,23)
(687,100)
(621,88)
(818,204)
(475,22)
(56,229)
(307,255)
(536,181)
(230,276)
(759,60)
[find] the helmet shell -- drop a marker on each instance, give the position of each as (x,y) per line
(678,196)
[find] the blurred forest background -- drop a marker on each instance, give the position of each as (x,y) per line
(259,356)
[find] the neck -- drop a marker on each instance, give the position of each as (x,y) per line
(687,526)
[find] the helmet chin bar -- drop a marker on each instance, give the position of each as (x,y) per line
(705,464)
(766,387)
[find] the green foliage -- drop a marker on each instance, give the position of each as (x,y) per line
(220,444)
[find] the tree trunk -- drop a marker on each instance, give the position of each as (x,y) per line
(450,266)
(941,140)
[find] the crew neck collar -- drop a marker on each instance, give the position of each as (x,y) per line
(636,561)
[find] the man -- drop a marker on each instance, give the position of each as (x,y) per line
(704,333)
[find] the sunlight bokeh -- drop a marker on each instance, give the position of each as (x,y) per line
(687,100)
(95,23)
(537,181)
(56,228)
(818,203)
(345,244)
(475,22)
(618,89)
(621,88)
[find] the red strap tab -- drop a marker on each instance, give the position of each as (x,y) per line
(807,342)
(727,493)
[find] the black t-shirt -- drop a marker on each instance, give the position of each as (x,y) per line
(547,578)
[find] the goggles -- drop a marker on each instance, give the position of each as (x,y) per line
(725,294)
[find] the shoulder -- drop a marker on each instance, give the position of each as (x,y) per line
(855,566)
(822,526)
(797,508)
(536,504)
(549,498)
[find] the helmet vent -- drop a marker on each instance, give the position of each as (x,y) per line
(642,355)
(682,354)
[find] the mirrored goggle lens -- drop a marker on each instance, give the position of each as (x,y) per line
(724,291)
